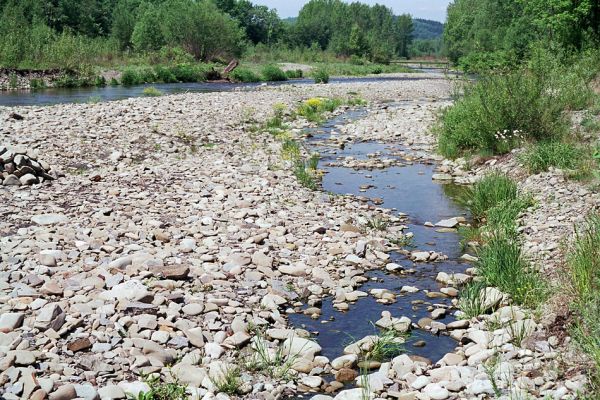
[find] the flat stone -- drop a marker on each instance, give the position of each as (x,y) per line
(79,345)
(49,219)
(11,321)
(65,392)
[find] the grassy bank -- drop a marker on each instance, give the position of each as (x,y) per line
(496,204)
(530,107)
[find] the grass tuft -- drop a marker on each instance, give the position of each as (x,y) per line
(152,92)
(543,155)
(490,191)
(273,73)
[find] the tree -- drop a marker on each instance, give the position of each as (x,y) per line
(404,29)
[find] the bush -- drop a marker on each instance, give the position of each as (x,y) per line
(152,92)
(490,191)
(273,73)
(164,74)
(244,75)
(321,75)
(498,112)
(543,155)
(130,77)
(294,74)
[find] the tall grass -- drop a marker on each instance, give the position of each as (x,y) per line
(584,267)
(273,73)
(500,111)
(501,263)
(496,201)
(491,190)
(543,155)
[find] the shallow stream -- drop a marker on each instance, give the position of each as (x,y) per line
(410,190)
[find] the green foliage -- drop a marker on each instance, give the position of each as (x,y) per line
(472,299)
(498,112)
(484,34)
(152,92)
(160,390)
(244,75)
(489,192)
(321,75)
(501,263)
(388,344)
(273,73)
(274,363)
(229,382)
(584,268)
(313,109)
(130,77)
(35,84)
(352,29)
(543,155)
(294,74)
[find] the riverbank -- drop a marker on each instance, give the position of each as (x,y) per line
(189,231)
(38,80)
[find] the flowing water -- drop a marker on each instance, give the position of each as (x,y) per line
(410,190)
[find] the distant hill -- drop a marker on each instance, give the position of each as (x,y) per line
(289,20)
(427,29)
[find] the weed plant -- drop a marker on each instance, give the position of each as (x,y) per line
(273,73)
(487,193)
(545,154)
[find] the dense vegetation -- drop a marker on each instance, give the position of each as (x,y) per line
(484,34)
(72,34)
(537,62)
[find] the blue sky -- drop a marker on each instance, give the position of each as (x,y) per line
(428,9)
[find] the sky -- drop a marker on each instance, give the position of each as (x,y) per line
(427,9)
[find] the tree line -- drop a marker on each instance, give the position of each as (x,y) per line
(71,32)
(483,34)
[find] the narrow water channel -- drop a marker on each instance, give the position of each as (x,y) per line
(408,189)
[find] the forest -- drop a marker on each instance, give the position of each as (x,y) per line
(71,33)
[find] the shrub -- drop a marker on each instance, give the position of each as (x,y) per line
(543,155)
(164,74)
(489,192)
(498,112)
(36,84)
(321,75)
(152,92)
(130,77)
(273,73)
(244,75)
(294,74)
(188,73)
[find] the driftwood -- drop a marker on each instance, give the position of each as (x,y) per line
(232,65)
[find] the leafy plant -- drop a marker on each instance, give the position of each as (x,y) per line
(244,75)
(152,92)
(273,73)
(321,75)
(275,363)
(378,223)
(472,299)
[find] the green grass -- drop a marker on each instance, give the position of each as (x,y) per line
(273,73)
(305,176)
(245,75)
(321,75)
(502,264)
(160,390)
(488,192)
(230,382)
(471,302)
(378,224)
(545,154)
(389,344)
(584,268)
(274,363)
(314,109)
(497,113)
(152,92)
